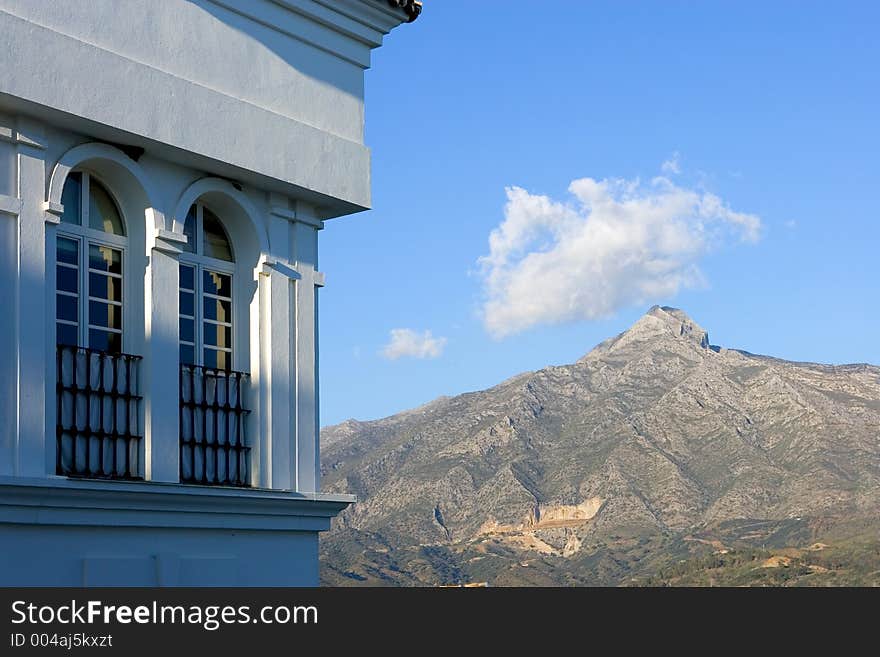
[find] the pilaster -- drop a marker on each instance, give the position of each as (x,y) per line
(36,335)
(161,364)
(277,289)
(9,210)
(305,239)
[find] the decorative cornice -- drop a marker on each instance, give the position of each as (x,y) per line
(412,8)
(58,501)
(362,21)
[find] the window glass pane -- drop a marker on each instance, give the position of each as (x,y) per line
(187,330)
(189,229)
(215,283)
(67,251)
(210,358)
(224,337)
(71,199)
(103,314)
(66,308)
(103,213)
(187,277)
(218,310)
(187,304)
(105,287)
(103,258)
(216,243)
(66,279)
(220,359)
(187,354)
(216,335)
(66,334)
(105,341)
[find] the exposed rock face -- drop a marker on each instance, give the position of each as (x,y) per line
(654,433)
(561,515)
(547,516)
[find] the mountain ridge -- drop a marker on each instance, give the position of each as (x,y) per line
(442,398)
(672,434)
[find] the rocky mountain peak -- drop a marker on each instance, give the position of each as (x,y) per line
(679,324)
(660,325)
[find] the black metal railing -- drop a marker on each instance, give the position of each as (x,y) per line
(213,444)
(98,414)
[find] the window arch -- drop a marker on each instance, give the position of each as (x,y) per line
(206,292)
(90,267)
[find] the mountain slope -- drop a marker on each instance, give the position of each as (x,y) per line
(606,469)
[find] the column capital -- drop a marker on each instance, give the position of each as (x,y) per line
(296,216)
(169,242)
(33,135)
(278,267)
(52,212)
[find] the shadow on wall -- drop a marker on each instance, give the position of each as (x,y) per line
(295,53)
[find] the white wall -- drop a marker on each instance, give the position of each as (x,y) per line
(278,93)
(88,533)
(254,107)
(275,241)
(219,48)
(110,556)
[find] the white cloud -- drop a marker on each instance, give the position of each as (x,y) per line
(671,166)
(405,342)
(791,224)
(619,243)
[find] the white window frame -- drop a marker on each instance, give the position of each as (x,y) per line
(200,263)
(84,236)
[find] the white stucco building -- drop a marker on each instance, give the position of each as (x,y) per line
(165,167)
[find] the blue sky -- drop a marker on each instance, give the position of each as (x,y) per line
(771,108)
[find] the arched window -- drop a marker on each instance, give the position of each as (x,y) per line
(90,266)
(97,384)
(213,444)
(206,326)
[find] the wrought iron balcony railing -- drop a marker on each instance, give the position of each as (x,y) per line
(98,414)
(213,442)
